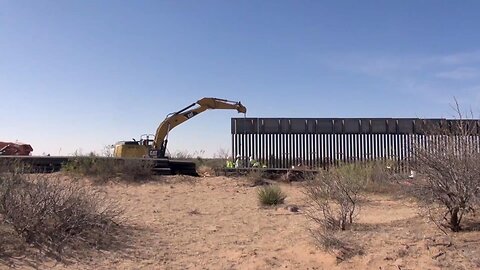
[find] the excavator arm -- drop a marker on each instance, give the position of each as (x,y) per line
(174,119)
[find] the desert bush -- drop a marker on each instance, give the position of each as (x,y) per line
(220,158)
(372,176)
(186,154)
(103,169)
(270,195)
(255,177)
(14,166)
(212,163)
(204,170)
(99,167)
(383,170)
(222,153)
(52,215)
(135,169)
(343,244)
(378,177)
(450,171)
(334,196)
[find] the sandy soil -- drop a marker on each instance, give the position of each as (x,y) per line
(216,223)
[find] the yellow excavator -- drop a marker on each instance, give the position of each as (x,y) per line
(156,147)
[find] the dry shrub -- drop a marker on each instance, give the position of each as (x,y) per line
(450,169)
(222,153)
(103,169)
(372,176)
(214,163)
(182,155)
(270,195)
(341,243)
(55,216)
(378,176)
(206,171)
(5,165)
(186,154)
(135,169)
(219,159)
(255,178)
(296,175)
(333,197)
(14,166)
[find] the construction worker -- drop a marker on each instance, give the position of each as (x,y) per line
(230,164)
(238,162)
(253,163)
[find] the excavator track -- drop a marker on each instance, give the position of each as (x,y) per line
(161,166)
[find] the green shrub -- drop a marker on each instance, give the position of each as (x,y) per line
(271,195)
(100,168)
(376,177)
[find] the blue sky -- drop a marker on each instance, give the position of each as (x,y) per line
(79,75)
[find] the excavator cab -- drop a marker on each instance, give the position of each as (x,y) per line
(146,141)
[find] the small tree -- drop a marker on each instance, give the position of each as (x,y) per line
(334,196)
(222,153)
(449,161)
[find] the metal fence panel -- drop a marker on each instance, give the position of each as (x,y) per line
(352,126)
(324,142)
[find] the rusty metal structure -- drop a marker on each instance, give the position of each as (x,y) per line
(323,142)
(15,149)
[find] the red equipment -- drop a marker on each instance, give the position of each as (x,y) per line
(15,149)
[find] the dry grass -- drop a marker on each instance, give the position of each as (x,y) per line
(103,170)
(205,171)
(217,223)
(255,178)
(55,216)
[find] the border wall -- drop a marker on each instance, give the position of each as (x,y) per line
(323,142)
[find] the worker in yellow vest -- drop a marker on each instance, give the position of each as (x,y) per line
(230,164)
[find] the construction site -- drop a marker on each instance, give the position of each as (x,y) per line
(280,144)
(250,135)
(203,214)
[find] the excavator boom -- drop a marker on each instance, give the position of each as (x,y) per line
(174,119)
(147,149)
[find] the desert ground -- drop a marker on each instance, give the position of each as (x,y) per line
(179,222)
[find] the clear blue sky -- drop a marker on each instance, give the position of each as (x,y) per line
(79,75)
